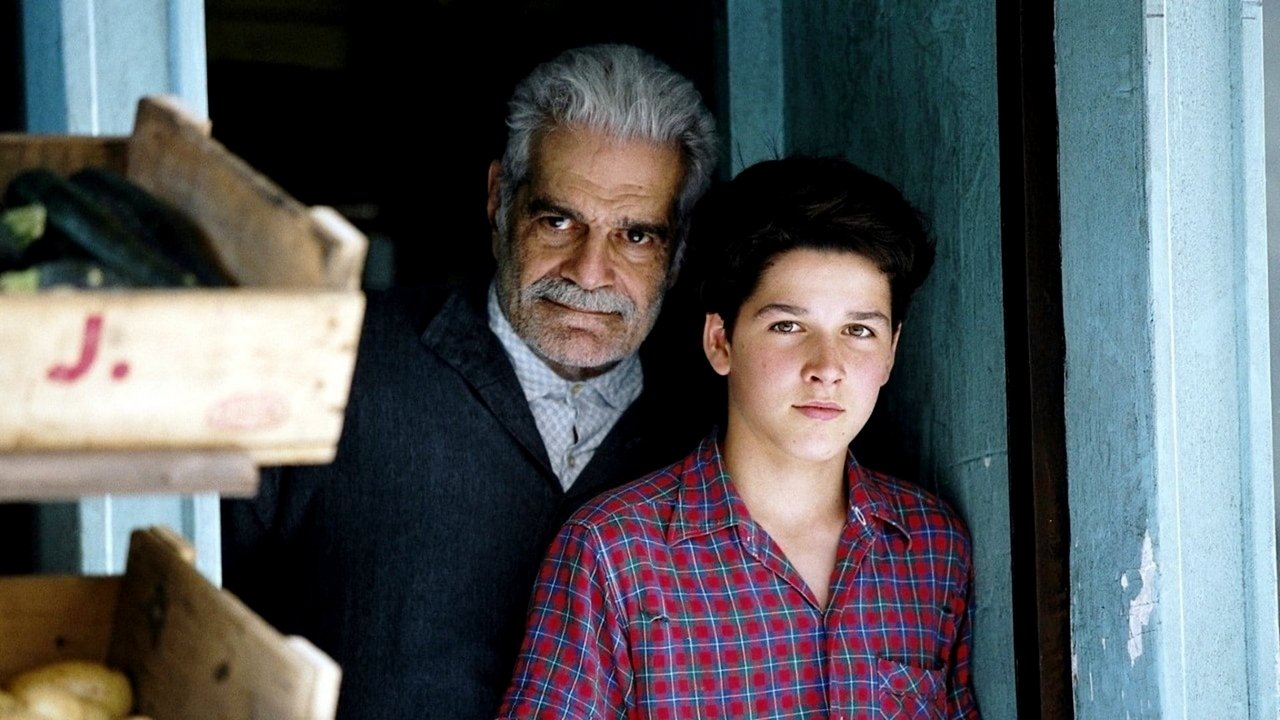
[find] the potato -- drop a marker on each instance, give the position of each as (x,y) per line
(106,693)
(50,702)
(11,708)
(19,714)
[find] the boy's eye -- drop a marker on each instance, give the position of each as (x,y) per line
(861,331)
(785,326)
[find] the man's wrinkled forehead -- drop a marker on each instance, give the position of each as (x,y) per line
(622,170)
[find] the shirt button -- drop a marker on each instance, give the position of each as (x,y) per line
(575,390)
(573,461)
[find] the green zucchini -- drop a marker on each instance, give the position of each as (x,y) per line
(20,227)
(86,224)
(76,273)
(163,227)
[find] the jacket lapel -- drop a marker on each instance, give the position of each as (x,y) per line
(460,335)
(615,461)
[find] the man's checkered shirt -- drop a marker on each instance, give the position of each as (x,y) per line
(573,417)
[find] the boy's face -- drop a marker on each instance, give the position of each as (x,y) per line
(811,348)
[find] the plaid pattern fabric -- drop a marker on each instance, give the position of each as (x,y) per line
(663,599)
(573,417)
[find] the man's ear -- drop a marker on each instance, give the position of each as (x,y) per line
(495,198)
(715,343)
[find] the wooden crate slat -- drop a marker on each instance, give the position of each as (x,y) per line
(264,236)
(197,653)
(46,619)
(213,369)
(61,153)
(66,476)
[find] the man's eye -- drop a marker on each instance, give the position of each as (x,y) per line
(556,222)
(639,237)
(785,326)
(860,331)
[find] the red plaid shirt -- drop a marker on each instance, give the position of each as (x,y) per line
(663,599)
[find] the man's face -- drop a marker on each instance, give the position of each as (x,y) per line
(583,267)
(811,348)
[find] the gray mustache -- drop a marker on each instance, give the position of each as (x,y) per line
(566,292)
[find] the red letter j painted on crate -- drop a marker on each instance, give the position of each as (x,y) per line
(88,353)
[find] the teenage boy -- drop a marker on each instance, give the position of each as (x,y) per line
(768,574)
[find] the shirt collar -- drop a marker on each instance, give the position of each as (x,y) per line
(617,386)
(869,497)
(707,500)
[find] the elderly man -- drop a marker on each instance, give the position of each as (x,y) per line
(480,420)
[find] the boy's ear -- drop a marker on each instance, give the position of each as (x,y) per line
(893,352)
(715,343)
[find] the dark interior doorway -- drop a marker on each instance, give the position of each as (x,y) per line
(391,111)
(1035,359)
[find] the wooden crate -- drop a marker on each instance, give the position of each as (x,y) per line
(263,369)
(193,651)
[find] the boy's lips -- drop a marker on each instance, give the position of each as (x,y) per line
(820,409)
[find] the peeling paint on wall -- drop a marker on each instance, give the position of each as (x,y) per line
(1277,669)
(1144,602)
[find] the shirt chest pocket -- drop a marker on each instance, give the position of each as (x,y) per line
(906,692)
(916,628)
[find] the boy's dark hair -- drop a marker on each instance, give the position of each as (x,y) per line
(819,203)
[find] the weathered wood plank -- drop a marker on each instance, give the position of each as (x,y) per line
(49,618)
(66,476)
(192,650)
(248,370)
(263,369)
(62,153)
(264,236)
(197,653)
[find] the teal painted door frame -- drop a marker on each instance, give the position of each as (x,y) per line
(86,64)
(1173,574)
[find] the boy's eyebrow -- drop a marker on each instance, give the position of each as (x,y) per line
(785,309)
(780,309)
(867,315)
